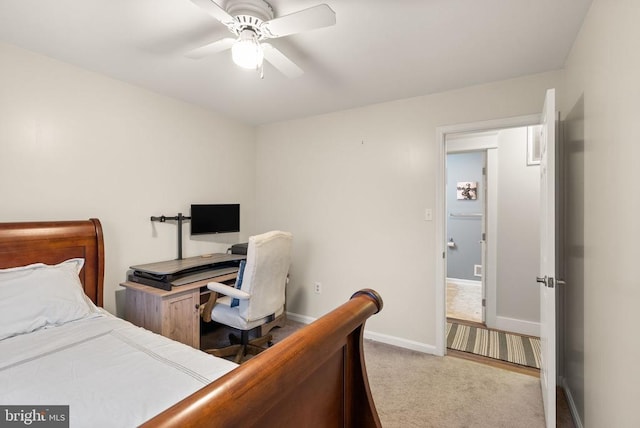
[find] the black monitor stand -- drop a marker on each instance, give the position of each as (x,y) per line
(179,218)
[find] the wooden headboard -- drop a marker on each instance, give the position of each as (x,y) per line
(53,242)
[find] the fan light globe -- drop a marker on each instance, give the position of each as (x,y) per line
(246,51)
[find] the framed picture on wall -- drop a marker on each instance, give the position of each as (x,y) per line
(467,190)
(533,145)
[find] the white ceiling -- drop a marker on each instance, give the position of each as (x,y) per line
(378,50)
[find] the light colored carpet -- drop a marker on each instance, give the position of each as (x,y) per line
(464,301)
(412,389)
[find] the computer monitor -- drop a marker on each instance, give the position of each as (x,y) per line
(215,218)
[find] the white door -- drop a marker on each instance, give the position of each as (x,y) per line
(546,279)
(483,240)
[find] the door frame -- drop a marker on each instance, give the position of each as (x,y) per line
(485,143)
(440,211)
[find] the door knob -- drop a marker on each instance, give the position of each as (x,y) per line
(547,281)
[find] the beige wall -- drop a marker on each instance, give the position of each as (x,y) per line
(75,144)
(602,73)
(353,186)
(358,180)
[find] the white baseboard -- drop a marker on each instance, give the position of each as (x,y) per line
(529,328)
(300,318)
(400,342)
(459,281)
(377,337)
(572,404)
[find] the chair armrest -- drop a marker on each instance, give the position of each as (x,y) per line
(228,291)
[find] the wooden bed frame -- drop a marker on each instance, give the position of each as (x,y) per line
(314,378)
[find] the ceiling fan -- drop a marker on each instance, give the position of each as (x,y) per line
(252,22)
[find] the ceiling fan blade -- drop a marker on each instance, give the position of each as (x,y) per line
(211,48)
(283,64)
(297,22)
(215,10)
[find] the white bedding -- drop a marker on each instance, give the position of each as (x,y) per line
(110,373)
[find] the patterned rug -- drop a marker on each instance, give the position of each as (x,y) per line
(522,350)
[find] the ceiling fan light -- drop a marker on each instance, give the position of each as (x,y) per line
(247,52)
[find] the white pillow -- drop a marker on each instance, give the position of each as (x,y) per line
(40,295)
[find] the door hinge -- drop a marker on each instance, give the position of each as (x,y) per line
(484,303)
(443,254)
(484,171)
(484,236)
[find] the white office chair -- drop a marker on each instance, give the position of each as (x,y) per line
(260,293)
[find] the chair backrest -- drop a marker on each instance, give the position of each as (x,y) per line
(265,274)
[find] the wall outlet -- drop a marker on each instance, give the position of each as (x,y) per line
(317,287)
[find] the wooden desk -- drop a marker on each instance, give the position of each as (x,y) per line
(175,313)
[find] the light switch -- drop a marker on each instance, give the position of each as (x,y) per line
(428,214)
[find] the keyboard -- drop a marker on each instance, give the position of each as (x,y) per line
(207,274)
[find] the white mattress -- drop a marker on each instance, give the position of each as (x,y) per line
(110,373)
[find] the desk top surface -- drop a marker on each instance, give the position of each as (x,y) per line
(173,266)
(187,288)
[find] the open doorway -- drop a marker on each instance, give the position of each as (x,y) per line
(542,324)
(508,219)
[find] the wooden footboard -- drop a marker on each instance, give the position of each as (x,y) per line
(314,378)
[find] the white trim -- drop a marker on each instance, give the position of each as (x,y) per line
(472,142)
(400,342)
(514,325)
(489,125)
(474,135)
(459,281)
(491,262)
(377,337)
(572,404)
(440,285)
(300,318)
(440,227)
(484,245)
